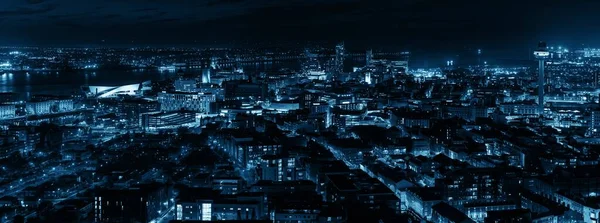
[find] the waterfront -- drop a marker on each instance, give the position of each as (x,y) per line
(26,84)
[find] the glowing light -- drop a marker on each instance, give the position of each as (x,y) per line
(206,212)
(541,53)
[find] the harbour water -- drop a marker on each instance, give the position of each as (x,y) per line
(26,84)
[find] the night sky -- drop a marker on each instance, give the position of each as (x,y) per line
(420,24)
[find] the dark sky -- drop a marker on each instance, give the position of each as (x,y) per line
(497,25)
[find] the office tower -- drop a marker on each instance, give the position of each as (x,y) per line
(339,58)
(541,54)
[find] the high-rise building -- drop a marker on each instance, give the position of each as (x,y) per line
(541,54)
(340,53)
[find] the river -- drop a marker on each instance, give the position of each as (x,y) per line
(26,84)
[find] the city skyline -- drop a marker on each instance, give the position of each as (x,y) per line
(428,25)
(263,111)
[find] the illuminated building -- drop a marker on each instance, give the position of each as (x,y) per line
(167,120)
(478,183)
(26,137)
(421,201)
(547,209)
(444,213)
(247,148)
(131,109)
(591,52)
(378,71)
(115,91)
(186,85)
(231,113)
(478,210)
(214,62)
(295,212)
(586,207)
(206,75)
(319,107)
(358,188)
(594,122)
(340,56)
(174,101)
(316,75)
(218,210)
(469,113)
(520,108)
(202,204)
(410,119)
(541,54)
(7,111)
(228,183)
(342,99)
(277,168)
(307,98)
(217,91)
(40,107)
(282,106)
(5,66)
(368,77)
(344,119)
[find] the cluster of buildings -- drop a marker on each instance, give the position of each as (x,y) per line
(377,142)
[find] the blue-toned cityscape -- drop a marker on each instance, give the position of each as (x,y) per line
(311,134)
(299,111)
